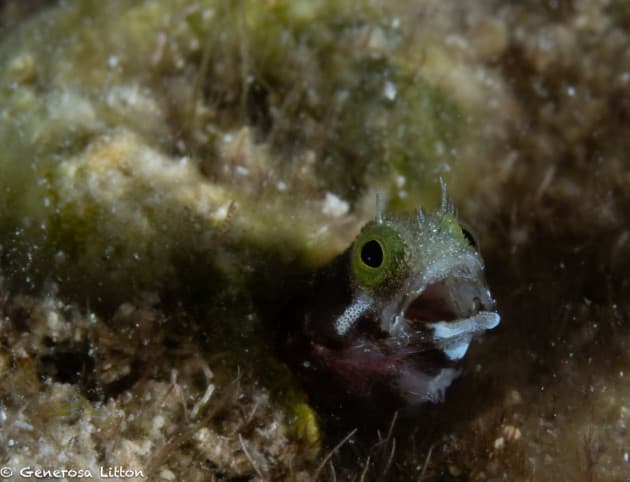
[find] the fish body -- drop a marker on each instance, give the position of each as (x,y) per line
(389,322)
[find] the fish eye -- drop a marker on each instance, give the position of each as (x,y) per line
(470,237)
(378,256)
(372,254)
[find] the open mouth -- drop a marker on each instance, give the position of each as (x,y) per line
(454,310)
(449,299)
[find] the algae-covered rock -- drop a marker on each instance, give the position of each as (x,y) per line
(190,156)
(153,129)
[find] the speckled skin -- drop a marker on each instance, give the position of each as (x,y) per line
(399,343)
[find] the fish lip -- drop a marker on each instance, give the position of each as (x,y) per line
(453,338)
(444,313)
(447,331)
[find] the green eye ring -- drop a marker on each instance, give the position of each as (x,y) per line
(378,256)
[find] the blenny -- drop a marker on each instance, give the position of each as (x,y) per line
(389,321)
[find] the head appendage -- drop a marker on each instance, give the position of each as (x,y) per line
(420,217)
(446,206)
(444,202)
(379,209)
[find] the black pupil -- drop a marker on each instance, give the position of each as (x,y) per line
(372,254)
(470,238)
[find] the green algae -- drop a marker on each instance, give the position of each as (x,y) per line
(162,82)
